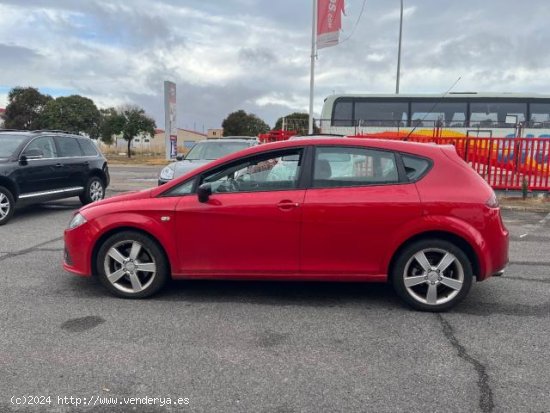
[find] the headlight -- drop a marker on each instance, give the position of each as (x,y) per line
(77,221)
(167,173)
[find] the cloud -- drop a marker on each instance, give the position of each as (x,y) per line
(254,54)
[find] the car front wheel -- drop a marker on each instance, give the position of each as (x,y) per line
(131,265)
(94,191)
(7,205)
(432,275)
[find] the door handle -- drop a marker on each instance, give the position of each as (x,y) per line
(58,165)
(287,205)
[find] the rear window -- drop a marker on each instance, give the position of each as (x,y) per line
(88,148)
(415,167)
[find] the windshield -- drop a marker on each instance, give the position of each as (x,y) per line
(9,143)
(214,150)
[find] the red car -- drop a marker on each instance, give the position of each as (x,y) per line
(333,209)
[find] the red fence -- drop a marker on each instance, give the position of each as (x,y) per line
(505,163)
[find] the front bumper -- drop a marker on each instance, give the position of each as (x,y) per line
(77,256)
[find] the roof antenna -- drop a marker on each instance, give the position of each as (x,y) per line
(433,107)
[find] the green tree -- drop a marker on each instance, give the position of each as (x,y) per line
(110,125)
(24,108)
(298,122)
(240,123)
(129,121)
(76,114)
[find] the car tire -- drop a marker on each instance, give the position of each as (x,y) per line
(93,191)
(132,265)
(432,275)
(7,205)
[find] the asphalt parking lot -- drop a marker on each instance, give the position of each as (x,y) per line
(272,346)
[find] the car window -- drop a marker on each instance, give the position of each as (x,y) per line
(216,150)
(183,189)
(414,167)
(42,147)
(9,143)
(346,166)
(68,147)
(278,171)
(87,147)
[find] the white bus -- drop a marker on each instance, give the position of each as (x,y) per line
(457,114)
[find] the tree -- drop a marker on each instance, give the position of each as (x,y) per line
(24,108)
(240,123)
(129,121)
(298,122)
(75,114)
(110,125)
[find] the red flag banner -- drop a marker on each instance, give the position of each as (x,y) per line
(329,22)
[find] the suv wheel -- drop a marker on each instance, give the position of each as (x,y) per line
(94,191)
(432,275)
(7,205)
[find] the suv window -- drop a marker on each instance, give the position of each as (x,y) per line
(346,166)
(88,147)
(42,147)
(272,172)
(68,147)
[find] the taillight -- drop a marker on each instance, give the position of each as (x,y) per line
(492,202)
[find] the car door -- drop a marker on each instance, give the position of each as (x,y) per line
(250,225)
(41,172)
(74,164)
(352,209)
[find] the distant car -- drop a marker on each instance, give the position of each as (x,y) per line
(412,214)
(203,152)
(42,165)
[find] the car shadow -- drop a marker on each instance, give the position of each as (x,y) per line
(281,293)
(46,207)
(276,293)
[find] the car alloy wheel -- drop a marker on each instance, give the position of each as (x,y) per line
(129,267)
(432,275)
(96,191)
(6,205)
(132,265)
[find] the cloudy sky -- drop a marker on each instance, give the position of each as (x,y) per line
(227,55)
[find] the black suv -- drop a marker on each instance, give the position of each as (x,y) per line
(41,166)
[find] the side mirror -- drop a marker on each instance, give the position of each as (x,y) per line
(33,154)
(180,158)
(203,192)
(23,160)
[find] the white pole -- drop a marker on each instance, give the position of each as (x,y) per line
(312,72)
(284,118)
(399,51)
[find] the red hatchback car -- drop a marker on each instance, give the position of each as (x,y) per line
(319,209)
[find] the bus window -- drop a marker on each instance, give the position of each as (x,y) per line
(434,113)
(343,113)
(493,115)
(368,113)
(540,115)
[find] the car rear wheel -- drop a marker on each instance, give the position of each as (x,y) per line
(432,275)
(132,265)
(94,191)
(7,205)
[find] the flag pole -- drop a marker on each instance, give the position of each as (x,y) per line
(399,50)
(312,69)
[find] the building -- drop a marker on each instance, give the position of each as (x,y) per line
(214,133)
(156,144)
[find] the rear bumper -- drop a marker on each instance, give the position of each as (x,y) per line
(497,243)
